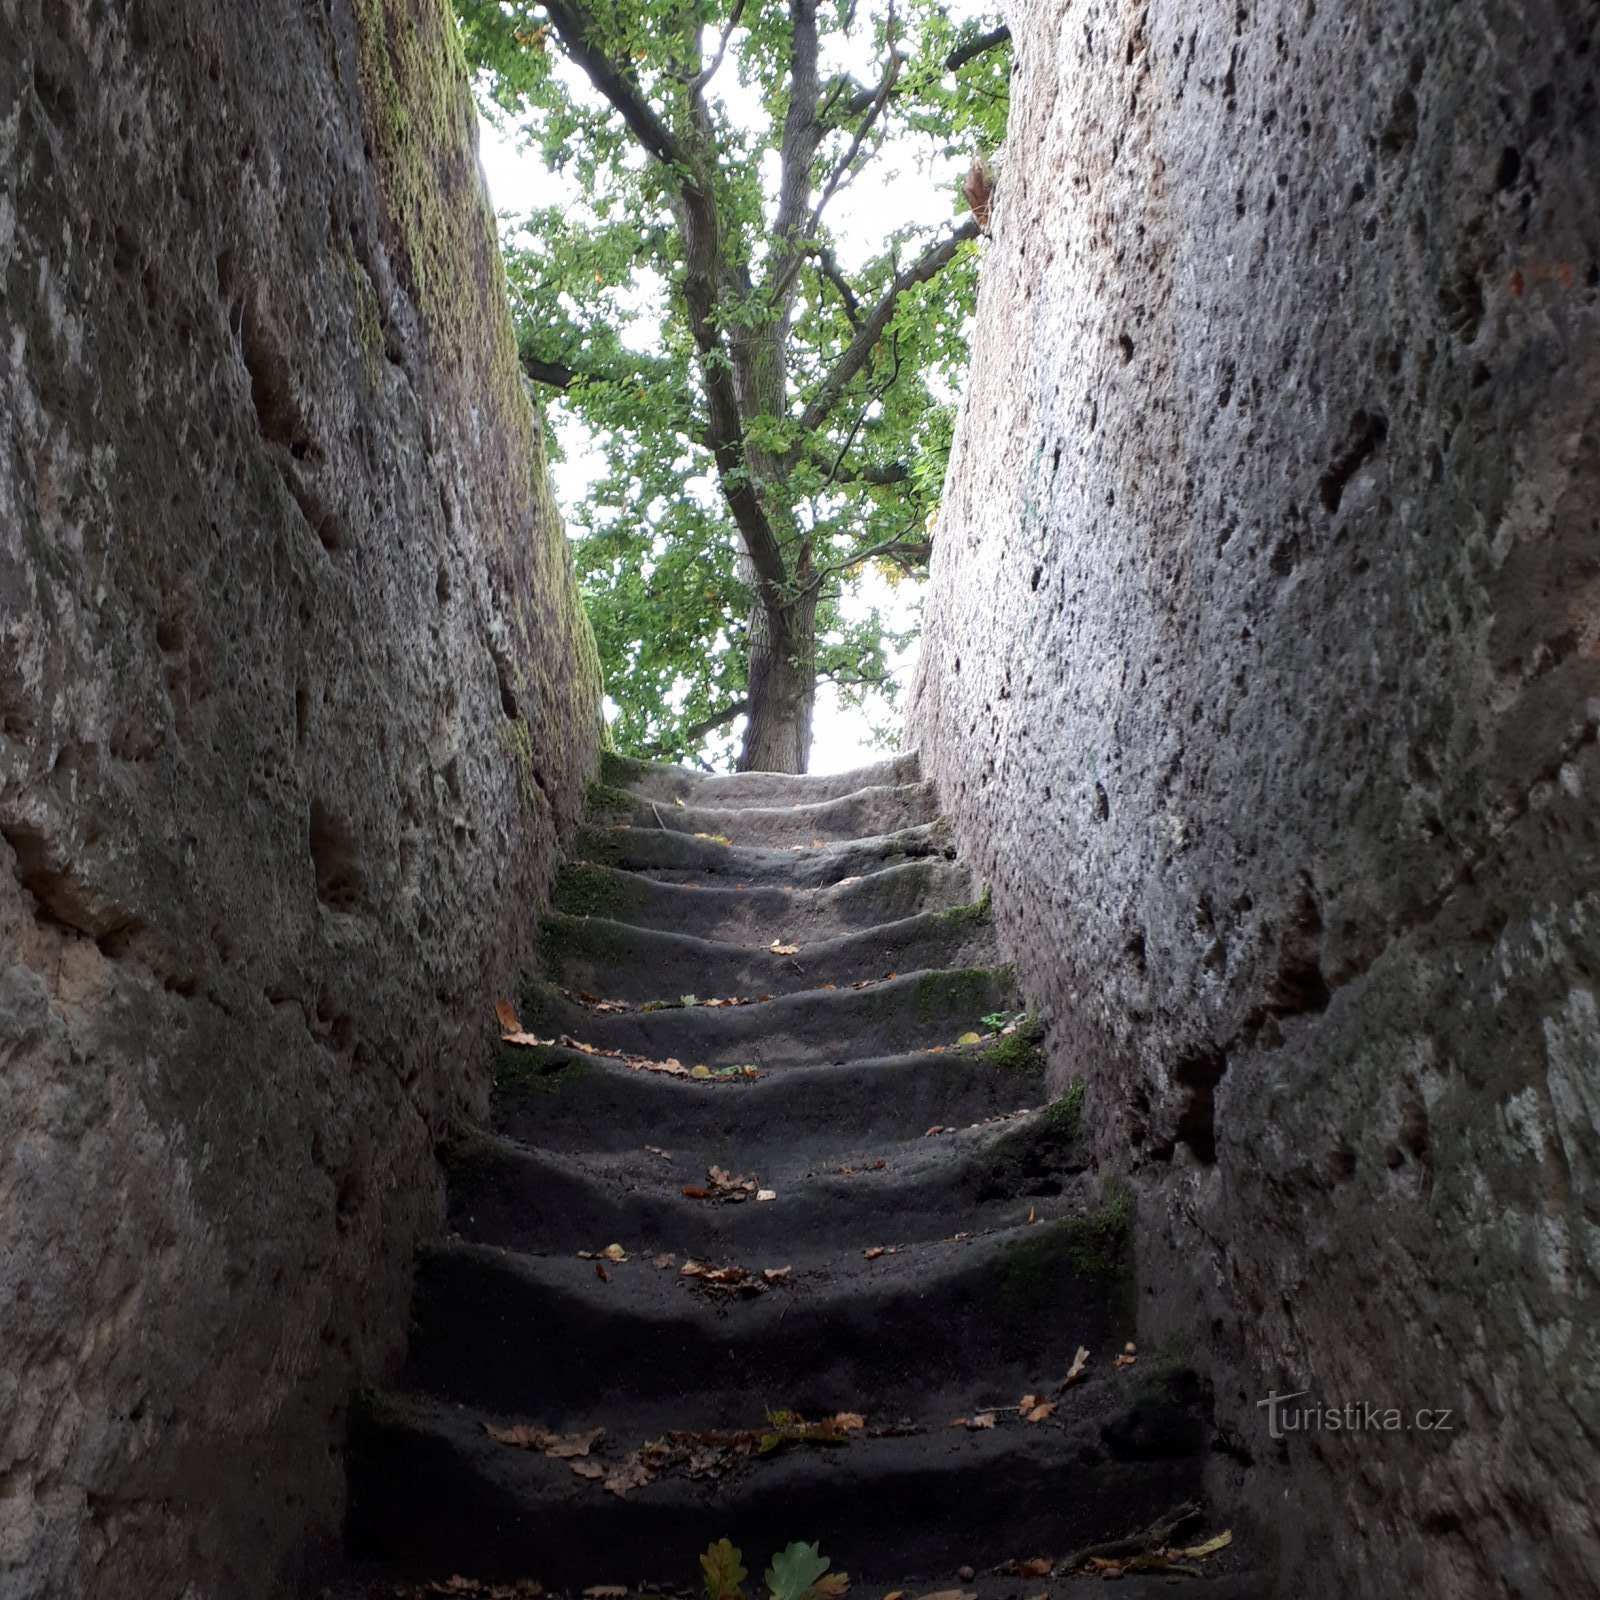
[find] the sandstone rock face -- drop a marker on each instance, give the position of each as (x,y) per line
(1262,677)
(296,701)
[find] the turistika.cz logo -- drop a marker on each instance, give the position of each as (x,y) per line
(1284,1417)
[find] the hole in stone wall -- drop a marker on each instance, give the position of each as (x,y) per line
(336,860)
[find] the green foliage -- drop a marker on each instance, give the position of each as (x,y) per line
(794,1572)
(799,1572)
(843,435)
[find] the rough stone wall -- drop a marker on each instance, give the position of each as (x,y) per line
(296,700)
(1262,677)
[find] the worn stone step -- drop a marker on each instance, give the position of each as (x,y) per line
(683,857)
(990,1314)
(620,962)
(892,1017)
(557,1203)
(751,914)
(563,1100)
(651,781)
(431,1491)
(868,813)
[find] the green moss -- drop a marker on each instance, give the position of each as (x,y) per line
(599,847)
(516,739)
(960,993)
(1019,1051)
(537,1069)
(1065,1113)
(965,918)
(1098,1245)
(584,890)
(608,800)
(619,771)
(369,316)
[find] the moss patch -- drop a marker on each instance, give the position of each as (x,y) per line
(584,890)
(1065,1113)
(1021,1051)
(607,801)
(619,771)
(1098,1245)
(959,994)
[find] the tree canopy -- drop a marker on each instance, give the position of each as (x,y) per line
(771,401)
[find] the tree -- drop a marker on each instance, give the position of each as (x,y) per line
(771,423)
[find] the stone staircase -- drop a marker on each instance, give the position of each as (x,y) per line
(830,1208)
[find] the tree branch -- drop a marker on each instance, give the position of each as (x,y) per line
(973,48)
(696,731)
(577,32)
(552,373)
(829,269)
(858,352)
(709,71)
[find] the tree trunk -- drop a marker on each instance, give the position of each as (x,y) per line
(783,687)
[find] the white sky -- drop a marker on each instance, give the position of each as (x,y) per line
(887,198)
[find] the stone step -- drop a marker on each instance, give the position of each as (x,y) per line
(868,813)
(893,1017)
(539,1201)
(751,914)
(682,857)
(618,961)
(943,1323)
(561,1100)
(666,783)
(430,1490)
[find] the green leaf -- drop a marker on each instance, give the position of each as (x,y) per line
(724,1570)
(794,1571)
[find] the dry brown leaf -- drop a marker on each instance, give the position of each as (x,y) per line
(1035,1567)
(588,1469)
(849,1422)
(776,1274)
(521,1435)
(1075,1371)
(949,1594)
(1033,1216)
(614,1252)
(506,1015)
(607,1591)
(938,1127)
(601,1273)
(1197,1552)
(984,1419)
(783,949)
(574,1444)
(665,1259)
(1124,1361)
(695,1192)
(766,1194)
(1036,1410)
(631,1474)
(1130,1348)
(873,1254)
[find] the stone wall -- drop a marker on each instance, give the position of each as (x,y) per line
(1262,677)
(296,702)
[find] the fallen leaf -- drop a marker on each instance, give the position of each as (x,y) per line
(948,1594)
(523,1435)
(614,1252)
(574,1444)
(831,1586)
(1033,1216)
(938,1127)
(631,1474)
(1034,1409)
(601,1273)
(699,1071)
(1075,1371)
(873,1253)
(695,1192)
(652,1150)
(783,949)
(776,1274)
(766,1194)
(850,1422)
(506,1015)
(1124,1361)
(970,1038)
(1036,1567)
(588,1469)
(606,1591)
(1196,1551)
(1130,1348)
(984,1419)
